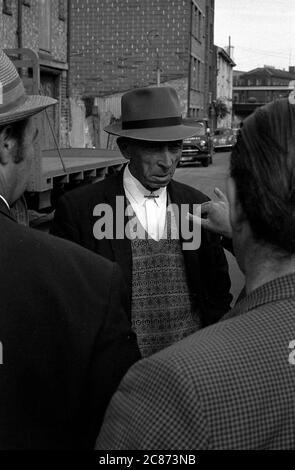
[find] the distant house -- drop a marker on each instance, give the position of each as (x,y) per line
(224,84)
(259,86)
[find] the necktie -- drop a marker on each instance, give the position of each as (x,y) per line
(151,218)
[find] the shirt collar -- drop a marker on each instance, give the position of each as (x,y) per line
(4,200)
(135,190)
(278,289)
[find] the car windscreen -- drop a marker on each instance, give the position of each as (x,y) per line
(222,132)
(199,126)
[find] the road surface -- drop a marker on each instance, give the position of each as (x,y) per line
(206,179)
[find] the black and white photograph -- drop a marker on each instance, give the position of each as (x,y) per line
(147,228)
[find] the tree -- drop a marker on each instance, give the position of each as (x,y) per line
(220,108)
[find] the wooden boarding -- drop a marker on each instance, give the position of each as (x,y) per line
(77,161)
(80,164)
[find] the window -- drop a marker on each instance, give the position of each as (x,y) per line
(211,36)
(62,10)
(196,72)
(197,26)
(7,7)
(45,25)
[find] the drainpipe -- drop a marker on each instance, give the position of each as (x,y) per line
(19,24)
(190,61)
(69,39)
(19,31)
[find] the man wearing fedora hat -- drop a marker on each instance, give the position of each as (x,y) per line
(173,291)
(65,340)
(230,386)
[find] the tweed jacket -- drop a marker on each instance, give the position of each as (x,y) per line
(228,386)
(65,339)
(206,268)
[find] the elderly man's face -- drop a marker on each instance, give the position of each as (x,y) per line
(153,163)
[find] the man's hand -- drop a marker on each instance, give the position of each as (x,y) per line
(215,215)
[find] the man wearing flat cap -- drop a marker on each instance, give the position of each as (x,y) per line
(173,289)
(65,340)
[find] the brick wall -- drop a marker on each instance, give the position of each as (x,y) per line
(114,43)
(202,60)
(116,46)
(31,39)
(30,25)
(8,27)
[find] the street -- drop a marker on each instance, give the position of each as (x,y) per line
(206,179)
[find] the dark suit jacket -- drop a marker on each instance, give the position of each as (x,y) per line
(207,268)
(65,337)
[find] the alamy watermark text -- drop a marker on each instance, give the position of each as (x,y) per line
(112,223)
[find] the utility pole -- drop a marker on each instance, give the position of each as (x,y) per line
(158,68)
(152,37)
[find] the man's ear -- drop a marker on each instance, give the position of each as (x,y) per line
(237,215)
(7,143)
(123,146)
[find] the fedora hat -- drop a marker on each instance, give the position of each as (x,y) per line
(151,114)
(15,104)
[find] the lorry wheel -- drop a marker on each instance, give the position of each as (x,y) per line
(206,162)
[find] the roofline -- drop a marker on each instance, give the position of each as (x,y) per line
(226,56)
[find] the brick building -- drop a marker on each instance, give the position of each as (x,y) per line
(118,45)
(259,86)
(41,25)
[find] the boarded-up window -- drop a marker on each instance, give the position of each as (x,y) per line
(62,10)
(45,25)
(7,7)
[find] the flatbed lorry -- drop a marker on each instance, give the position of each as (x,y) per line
(56,170)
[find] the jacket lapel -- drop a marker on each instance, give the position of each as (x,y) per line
(191,257)
(121,246)
(5,211)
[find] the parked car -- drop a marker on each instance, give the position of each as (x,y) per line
(199,147)
(223,137)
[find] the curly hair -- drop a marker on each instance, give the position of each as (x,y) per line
(263,167)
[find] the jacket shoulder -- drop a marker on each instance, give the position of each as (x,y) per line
(50,251)
(90,192)
(188,192)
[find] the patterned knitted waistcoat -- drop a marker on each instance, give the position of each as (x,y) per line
(162,310)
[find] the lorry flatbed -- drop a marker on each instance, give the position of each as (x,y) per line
(77,160)
(81,165)
(48,174)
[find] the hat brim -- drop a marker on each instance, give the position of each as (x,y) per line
(155,134)
(33,104)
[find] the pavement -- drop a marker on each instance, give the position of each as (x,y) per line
(206,179)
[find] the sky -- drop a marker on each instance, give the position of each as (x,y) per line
(262,31)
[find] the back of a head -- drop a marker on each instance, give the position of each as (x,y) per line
(263,167)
